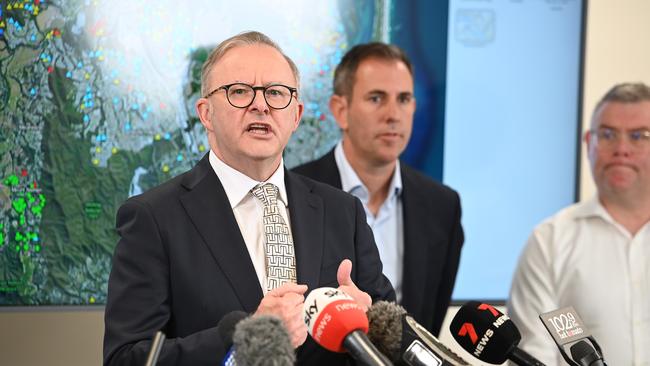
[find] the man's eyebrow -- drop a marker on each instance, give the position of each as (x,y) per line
(640,128)
(376,91)
(270,83)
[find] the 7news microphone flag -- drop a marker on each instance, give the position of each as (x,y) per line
(489,335)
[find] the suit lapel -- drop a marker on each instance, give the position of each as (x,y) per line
(207,205)
(306,213)
(415,237)
(331,170)
(327,171)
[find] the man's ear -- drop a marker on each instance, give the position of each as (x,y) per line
(587,137)
(203,111)
(299,111)
(589,141)
(339,109)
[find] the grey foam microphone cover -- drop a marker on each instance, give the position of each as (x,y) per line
(385,330)
(262,340)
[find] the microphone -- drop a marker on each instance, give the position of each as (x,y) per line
(262,340)
(156,347)
(404,341)
(226,330)
(586,355)
(336,322)
(226,327)
(566,327)
(489,335)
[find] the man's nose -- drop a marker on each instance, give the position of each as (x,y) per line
(259,102)
(392,111)
(623,145)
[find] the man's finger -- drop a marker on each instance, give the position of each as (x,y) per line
(343,273)
(359,296)
(291,299)
(287,288)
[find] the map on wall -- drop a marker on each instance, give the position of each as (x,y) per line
(97,104)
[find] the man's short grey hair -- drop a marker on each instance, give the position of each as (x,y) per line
(242,39)
(622,93)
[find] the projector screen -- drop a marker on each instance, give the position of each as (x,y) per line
(97,105)
(498,98)
(511,128)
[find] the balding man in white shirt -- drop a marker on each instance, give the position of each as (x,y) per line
(595,255)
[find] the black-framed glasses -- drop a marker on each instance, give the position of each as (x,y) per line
(241,95)
(609,137)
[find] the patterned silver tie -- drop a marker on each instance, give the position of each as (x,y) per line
(280,257)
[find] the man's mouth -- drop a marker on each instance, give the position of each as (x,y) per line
(389,135)
(617,165)
(259,128)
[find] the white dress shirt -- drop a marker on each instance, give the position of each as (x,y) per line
(387,226)
(249,210)
(581,257)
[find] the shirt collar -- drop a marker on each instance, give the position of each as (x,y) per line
(593,208)
(350,180)
(237,184)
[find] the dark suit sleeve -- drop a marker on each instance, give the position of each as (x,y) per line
(456,239)
(369,269)
(139,299)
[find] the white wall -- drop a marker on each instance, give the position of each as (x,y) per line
(617,50)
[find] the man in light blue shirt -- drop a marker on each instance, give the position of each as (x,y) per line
(386,222)
(415,221)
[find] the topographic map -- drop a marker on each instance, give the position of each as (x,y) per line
(97,104)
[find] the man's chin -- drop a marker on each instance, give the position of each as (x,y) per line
(261,155)
(620,183)
(389,157)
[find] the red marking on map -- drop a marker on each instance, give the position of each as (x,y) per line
(50,69)
(23,172)
(97,26)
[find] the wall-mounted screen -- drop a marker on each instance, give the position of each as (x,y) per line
(96,105)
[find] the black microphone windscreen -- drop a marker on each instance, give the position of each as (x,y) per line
(262,340)
(385,330)
(227,325)
(583,353)
(485,332)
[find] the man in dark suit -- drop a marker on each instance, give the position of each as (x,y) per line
(197,248)
(416,221)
